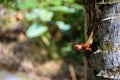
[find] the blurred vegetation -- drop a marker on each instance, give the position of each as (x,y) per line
(53,25)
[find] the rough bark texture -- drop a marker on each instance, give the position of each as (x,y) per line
(104,17)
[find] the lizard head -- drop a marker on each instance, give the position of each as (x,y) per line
(78,47)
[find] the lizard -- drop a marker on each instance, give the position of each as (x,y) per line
(86,45)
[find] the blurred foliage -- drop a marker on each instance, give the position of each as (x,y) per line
(57,23)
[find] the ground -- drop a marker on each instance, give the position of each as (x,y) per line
(26,57)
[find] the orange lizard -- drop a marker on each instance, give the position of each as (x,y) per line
(86,45)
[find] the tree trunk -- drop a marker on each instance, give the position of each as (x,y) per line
(103,16)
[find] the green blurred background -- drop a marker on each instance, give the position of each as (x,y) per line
(49,29)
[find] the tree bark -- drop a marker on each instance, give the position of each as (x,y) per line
(103,16)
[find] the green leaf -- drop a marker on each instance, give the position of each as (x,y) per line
(63,9)
(26,4)
(69,1)
(36,30)
(45,15)
(55,2)
(66,49)
(77,6)
(46,40)
(31,16)
(62,26)
(42,14)
(54,54)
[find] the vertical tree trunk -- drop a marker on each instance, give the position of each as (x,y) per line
(103,16)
